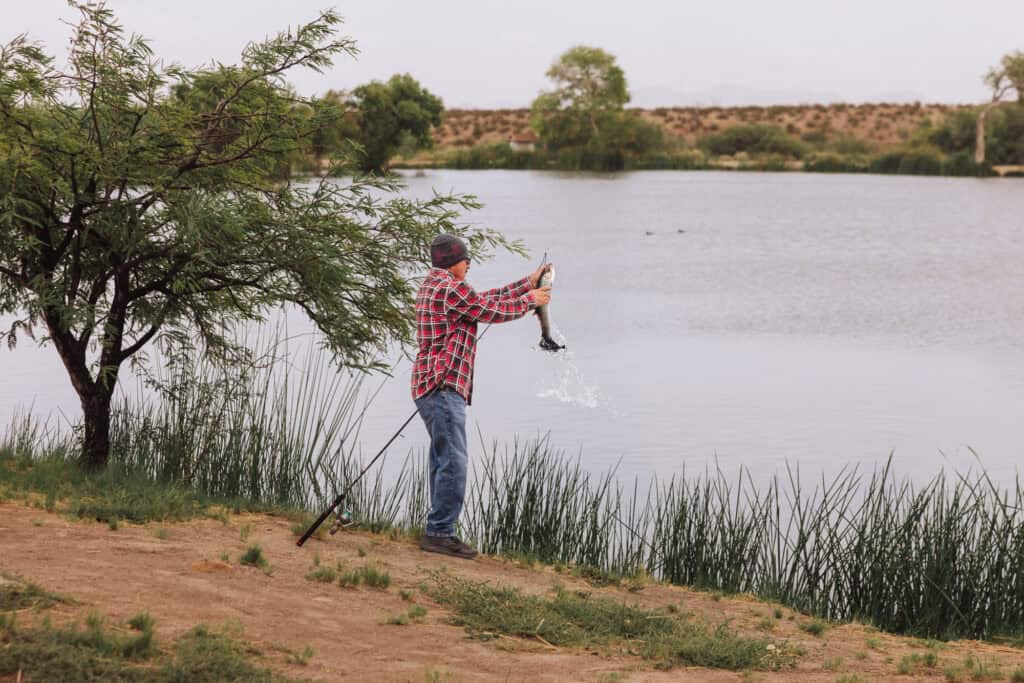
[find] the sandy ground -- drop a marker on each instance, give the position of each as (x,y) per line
(175,572)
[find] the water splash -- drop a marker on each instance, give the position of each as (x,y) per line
(570,386)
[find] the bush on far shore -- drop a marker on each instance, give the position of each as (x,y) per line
(755,139)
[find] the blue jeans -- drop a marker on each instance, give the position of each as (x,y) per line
(444,414)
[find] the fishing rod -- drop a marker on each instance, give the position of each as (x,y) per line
(343,518)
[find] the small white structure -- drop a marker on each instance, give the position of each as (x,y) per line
(523,142)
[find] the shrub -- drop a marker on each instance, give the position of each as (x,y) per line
(830,162)
(754,139)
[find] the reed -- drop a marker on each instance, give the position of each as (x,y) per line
(943,559)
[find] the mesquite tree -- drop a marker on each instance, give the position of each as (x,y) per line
(143,204)
(1003,80)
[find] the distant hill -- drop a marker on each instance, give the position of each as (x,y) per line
(880,125)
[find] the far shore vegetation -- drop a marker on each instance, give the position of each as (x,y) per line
(583,124)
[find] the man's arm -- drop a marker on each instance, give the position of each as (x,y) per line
(513,289)
(488,308)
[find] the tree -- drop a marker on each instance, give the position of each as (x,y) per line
(337,124)
(583,117)
(138,206)
(389,114)
(1003,80)
(589,87)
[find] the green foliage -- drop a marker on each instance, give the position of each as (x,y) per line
(395,115)
(495,155)
(912,161)
(16,594)
(95,653)
(581,121)
(754,139)
(336,125)
(572,619)
(415,613)
(368,575)
(1008,76)
(253,557)
(322,574)
(1004,134)
(832,664)
(815,627)
(142,203)
(909,664)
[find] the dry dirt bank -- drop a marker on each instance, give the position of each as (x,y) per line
(176,572)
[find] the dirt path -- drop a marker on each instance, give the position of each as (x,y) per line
(176,573)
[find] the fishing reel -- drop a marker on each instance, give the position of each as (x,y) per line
(343,519)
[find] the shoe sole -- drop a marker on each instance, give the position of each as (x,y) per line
(439,551)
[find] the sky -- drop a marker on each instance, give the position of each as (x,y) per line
(492,54)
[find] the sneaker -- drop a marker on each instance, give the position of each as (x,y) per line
(447,545)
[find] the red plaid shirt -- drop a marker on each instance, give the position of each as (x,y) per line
(447,312)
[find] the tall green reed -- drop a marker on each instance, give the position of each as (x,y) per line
(942,559)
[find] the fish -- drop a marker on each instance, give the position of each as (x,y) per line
(547,279)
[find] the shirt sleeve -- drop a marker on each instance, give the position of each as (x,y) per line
(513,289)
(487,309)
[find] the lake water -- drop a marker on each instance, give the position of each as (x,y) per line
(743,319)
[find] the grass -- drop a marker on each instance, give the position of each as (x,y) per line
(414,613)
(100,651)
(815,627)
(367,575)
(300,658)
(862,546)
(910,664)
(17,594)
(322,573)
(253,557)
(575,619)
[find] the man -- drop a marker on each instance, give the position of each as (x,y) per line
(447,313)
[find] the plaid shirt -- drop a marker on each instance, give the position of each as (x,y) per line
(447,312)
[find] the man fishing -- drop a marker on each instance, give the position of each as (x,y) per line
(447,312)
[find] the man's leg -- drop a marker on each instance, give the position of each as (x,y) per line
(444,415)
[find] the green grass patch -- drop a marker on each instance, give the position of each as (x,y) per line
(54,482)
(368,575)
(414,613)
(578,619)
(301,657)
(987,669)
(322,573)
(101,652)
(815,627)
(18,594)
(253,557)
(911,663)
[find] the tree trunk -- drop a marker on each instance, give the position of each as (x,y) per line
(96,443)
(979,134)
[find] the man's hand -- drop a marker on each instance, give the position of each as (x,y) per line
(535,275)
(541,296)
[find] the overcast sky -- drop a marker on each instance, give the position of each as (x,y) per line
(487,53)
